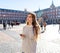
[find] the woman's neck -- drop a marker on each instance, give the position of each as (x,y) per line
(30,24)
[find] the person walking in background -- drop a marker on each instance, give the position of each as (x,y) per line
(12,24)
(41,24)
(40,21)
(44,23)
(59,26)
(4,26)
(30,34)
(44,16)
(9,25)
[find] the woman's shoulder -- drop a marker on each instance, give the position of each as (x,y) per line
(25,27)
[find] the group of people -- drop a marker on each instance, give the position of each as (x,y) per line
(5,25)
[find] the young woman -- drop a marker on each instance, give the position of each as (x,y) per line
(30,34)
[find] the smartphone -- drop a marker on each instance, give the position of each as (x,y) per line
(21,34)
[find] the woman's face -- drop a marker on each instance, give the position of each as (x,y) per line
(29,18)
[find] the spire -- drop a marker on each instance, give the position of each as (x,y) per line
(52,5)
(25,10)
(52,2)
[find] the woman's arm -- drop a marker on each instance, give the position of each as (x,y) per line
(23,35)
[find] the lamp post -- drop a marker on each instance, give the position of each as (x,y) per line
(52,15)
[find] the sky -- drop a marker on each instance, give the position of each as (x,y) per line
(30,5)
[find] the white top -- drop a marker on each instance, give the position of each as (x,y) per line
(28,43)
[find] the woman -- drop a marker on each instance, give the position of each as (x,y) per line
(30,34)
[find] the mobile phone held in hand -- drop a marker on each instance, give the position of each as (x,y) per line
(21,34)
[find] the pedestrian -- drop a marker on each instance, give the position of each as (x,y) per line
(44,23)
(12,24)
(4,26)
(59,26)
(30,34)
(41,24)
(9,25)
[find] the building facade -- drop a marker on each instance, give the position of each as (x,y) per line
(51,14)
(8,15)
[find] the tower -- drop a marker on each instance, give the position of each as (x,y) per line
(52,5)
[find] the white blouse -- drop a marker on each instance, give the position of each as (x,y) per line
(28,43)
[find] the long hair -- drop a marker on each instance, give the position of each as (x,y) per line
(35,25)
